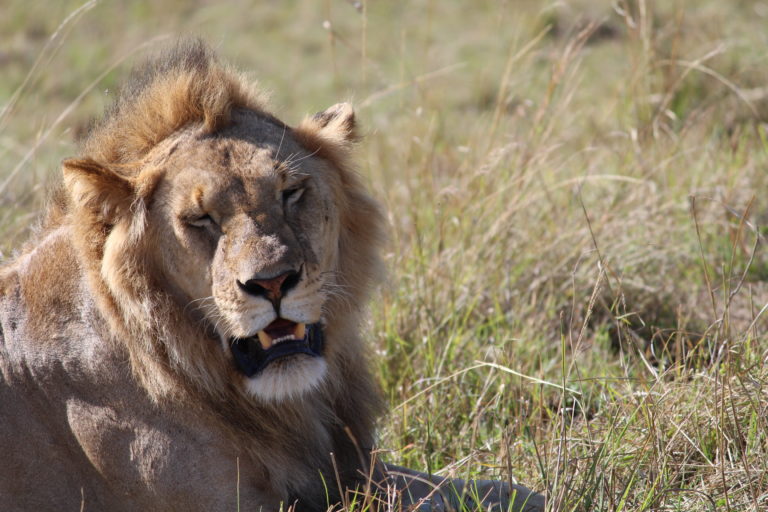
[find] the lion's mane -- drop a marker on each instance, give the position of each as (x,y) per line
(169,354)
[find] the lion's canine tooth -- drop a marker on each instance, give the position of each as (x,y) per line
(265,340)
(300,330)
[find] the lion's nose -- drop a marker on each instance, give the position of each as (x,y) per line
(272,288)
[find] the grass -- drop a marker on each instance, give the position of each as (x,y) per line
(577,199)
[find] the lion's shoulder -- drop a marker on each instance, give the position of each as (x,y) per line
(46,276)
(44,313)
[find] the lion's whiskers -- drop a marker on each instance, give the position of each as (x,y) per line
(280,145)
(291,164)
(211,315)
(202,301)
(339,292)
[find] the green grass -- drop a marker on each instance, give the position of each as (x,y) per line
(577,196)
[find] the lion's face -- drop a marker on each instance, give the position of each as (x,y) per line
(255,234)
(248,232)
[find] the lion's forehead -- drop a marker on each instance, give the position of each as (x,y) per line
(249,142)
(249,166)
(227,157)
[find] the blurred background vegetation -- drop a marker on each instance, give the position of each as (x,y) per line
(577,198)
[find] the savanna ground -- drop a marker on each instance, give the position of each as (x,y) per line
(577,193)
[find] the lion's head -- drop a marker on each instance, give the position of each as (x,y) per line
(228,249)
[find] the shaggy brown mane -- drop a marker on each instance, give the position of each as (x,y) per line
(184,84)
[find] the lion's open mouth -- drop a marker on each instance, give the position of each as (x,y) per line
(282,338)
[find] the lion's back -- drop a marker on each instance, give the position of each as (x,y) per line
(44,362)
(39,458)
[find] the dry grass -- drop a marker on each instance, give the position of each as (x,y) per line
(577,195)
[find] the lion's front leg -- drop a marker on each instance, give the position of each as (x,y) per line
(428,493)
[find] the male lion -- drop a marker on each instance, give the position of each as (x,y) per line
(182,333)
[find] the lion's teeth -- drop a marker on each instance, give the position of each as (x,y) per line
(265,340)
(268,341)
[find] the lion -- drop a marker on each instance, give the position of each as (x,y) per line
(183,330)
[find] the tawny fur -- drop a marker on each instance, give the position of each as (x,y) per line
(120,392)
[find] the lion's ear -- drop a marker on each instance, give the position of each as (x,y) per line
(97,189)
(336,123)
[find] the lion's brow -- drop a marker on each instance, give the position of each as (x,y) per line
(288,170)
(291,163)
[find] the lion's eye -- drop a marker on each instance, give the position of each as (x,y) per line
(202,221)
(291,195)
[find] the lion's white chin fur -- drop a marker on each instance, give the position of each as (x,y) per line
(288,380)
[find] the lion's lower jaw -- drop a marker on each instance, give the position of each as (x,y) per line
(288,380)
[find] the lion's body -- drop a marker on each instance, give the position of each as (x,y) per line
(183,332)
(117,388)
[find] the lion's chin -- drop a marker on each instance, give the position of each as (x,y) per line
(288,379)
